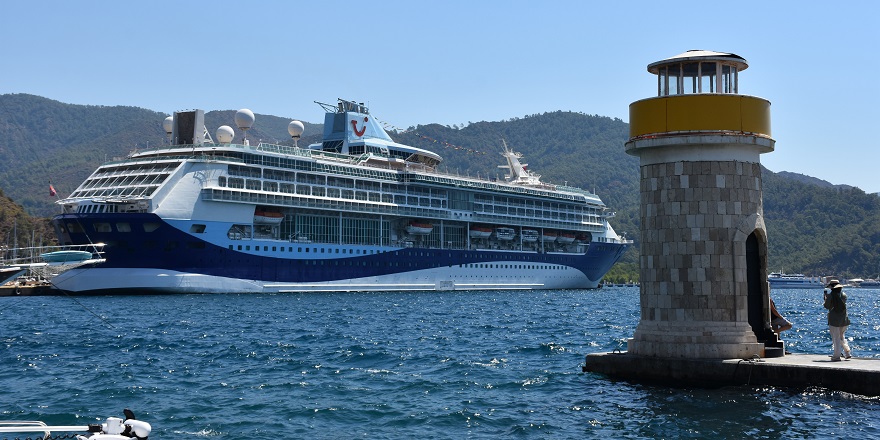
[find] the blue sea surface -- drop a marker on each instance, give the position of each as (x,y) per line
(395,365)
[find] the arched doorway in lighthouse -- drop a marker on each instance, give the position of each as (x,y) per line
(757,284)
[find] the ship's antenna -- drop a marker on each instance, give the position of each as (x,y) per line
(244,119)
(168,125)
(295,128)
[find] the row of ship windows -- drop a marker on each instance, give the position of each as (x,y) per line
(373,251)
(311,166)
(77,228)
(366,172)
(337,193)
(553,210)
(128,191)
(340,182)
(345,262)
(300,249)
(428,261)
(88,209)
(125,180)
(495,187)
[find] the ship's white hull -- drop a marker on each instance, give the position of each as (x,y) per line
(165,281)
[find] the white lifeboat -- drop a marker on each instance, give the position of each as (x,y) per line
(504,233)
(529,235)
(565,237)
(417,228)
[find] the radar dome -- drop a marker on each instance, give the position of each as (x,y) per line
(168,124)
(225,134)
(295,128)
(244,119)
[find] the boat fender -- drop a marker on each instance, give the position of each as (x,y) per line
(18,290)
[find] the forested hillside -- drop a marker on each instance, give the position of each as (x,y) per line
(814,227)
(821,230)
(19,229)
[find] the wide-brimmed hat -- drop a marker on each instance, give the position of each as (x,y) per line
(834,284)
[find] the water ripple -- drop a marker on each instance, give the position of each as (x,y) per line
(394,365)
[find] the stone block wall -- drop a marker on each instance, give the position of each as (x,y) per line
(693,263)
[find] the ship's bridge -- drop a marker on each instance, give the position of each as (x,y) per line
(698,93)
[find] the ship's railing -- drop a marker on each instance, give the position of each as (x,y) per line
(566,188)
(178,158)
(264,147)
(447,179)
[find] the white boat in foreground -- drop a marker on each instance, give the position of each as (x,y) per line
(113,428)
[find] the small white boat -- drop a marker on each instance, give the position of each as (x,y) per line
(113,428)
(529,235)
(417,228)
(779,280)
(66,256)
(480,232)
(505,234)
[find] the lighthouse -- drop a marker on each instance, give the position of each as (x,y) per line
(703,261)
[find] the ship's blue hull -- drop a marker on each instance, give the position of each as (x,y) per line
(274,265)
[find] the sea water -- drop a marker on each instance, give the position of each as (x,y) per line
(395,365)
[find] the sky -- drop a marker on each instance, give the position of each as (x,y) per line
(455,62)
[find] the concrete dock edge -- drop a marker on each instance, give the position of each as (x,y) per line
(857,375)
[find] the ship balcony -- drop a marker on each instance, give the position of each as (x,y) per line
(365,207)
(698,114)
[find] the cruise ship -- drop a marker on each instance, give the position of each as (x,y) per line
(355,212)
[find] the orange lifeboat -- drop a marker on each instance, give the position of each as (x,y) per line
(480,232)
(266,217)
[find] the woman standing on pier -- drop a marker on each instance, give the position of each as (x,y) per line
(838,320)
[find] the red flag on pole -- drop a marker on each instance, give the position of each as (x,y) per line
(51,190)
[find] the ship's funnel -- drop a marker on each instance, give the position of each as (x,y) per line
(189,128)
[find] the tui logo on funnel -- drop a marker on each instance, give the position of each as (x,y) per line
(354,126)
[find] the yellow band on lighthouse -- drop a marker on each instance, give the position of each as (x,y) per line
(699,113)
